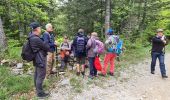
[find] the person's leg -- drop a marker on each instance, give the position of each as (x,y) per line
(53,61)
(35,76)
(49,63)
(62,65)
(78,65)
(106,61)
(112,63)
(83,61)
(94,68)
(162,64)
(91,66)
(153,62)
(41,73)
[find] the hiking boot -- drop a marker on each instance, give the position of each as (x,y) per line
(152,72)
(86,66)
(83,73)
(90,76)
(43,95)
(78,73)
(164,76)
(111,74)
(61,70)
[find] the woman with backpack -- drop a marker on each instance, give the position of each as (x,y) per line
(91,54)
(111,49)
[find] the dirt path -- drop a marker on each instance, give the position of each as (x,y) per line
(134,83)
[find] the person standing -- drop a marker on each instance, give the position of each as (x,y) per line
(91,54)
(111,46)
(49,37)
(79,46)
(158,45)
(40,50)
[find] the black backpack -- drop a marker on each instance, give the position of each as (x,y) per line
(27,52)
(80,48)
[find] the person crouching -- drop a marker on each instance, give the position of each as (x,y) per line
(65,53)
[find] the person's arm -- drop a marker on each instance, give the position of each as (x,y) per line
(46,38)
(157,40)
(89,43)
(38,44)
(74,42)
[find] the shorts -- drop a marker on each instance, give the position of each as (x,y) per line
(81,60)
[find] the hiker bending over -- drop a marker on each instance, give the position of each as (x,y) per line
(64,53)
(158,45)
(48,37)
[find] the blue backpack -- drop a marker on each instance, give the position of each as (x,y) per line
(111,43)
(119,47)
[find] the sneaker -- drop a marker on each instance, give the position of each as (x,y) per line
(164,76)
(61,70)
(152,72)
(111,74)
(90,76)
(43,95)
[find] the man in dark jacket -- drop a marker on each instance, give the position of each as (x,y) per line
(79,46)
(48,37)
(40,48)
(158,44)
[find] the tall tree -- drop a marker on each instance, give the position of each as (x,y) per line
(107,17)
(3,43)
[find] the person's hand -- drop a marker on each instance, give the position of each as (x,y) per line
(163,38)
(55,43)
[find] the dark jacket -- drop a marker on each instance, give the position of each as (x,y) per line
(40,49)
(49,38)
(74,45)
(157,44)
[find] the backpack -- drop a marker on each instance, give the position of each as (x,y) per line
(111,43)
(99,49)
(27,52)
(119,47)
(81,43)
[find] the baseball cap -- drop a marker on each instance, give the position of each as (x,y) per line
(34,25)
(159,30)
(110,32)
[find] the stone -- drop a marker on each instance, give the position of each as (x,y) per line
(17,71)
(19,65)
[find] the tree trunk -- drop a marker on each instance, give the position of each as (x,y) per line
(107,17)
(142,24)
(3,43)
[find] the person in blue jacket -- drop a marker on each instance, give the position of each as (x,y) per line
(49,37)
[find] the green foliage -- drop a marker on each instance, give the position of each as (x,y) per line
(11,84)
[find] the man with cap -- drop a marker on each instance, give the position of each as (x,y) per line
(40,49)
(158,44)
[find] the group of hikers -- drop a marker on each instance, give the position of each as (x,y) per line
(40,48)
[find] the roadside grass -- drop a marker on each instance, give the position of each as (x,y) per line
(11,84)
